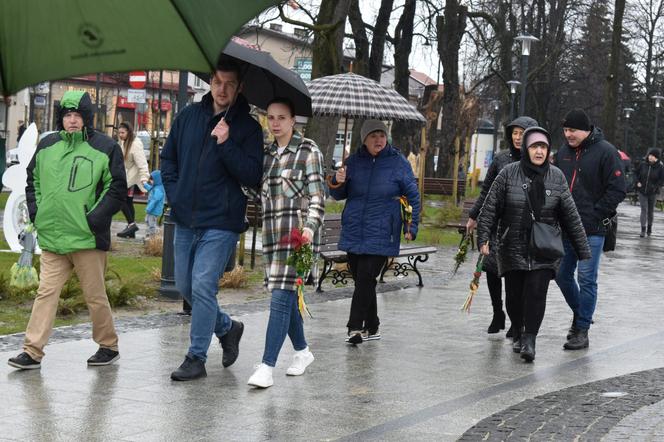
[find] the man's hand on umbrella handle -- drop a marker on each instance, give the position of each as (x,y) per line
(484,250)
(471,225)
(341,175)
(221,131)
(408,236)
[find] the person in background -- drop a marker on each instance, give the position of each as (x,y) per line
(136,167)
(292,196)
(21,129)
(524,192)
(155,206)
(596,179)
(372,182)
(513,139)
(649,179)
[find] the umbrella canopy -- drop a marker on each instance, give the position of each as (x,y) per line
(354,96)
(265,78)
(48,40)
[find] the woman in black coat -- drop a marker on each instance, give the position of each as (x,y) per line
(649,178)
(506,206)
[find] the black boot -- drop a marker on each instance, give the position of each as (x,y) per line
(643,232)
(192,368)
(497,323)
(516,343)
(230,343)
(649,229)
(510,332)
(577,341)
(129,231)
(572,328)
(528,347)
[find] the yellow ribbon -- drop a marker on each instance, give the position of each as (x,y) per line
(301,305)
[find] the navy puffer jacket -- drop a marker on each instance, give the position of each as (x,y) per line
(371,221)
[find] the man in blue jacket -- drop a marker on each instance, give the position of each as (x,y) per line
(595,176)
(214,147)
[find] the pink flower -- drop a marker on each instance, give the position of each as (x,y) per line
(299,282)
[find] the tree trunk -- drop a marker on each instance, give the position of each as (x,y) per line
(327,59)
(611,88)
(405,134)
(450,28)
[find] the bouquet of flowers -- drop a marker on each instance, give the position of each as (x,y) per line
(302,259)
(22,273)
(406,212)
(461,254)
(474,284)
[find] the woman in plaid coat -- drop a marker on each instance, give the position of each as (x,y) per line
(293,196)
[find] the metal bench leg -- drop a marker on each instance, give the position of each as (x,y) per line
(386,266)
(327,266)
(413,260)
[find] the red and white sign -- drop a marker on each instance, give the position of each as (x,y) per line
(137,79)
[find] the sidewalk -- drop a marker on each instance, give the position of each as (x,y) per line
(435,375)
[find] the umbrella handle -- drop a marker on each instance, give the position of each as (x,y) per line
(332,185)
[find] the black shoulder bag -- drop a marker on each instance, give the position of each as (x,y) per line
(546,241)
(611,225)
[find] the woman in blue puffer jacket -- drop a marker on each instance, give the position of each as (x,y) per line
(372,181)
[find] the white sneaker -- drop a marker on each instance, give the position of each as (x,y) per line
(262,377)
(301,360)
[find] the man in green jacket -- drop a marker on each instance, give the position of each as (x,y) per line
(76,182)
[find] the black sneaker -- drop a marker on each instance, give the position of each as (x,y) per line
(230,343)
(192,368)
(104,356)
(354,337)
(24,362)
(129,231)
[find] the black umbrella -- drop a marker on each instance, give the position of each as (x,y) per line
(264,78)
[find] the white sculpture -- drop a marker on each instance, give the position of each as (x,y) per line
(15,177)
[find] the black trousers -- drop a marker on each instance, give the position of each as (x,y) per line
(495,285)
(363,309)
(128,209)
(526,298)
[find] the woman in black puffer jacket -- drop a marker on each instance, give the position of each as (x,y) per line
(526,278)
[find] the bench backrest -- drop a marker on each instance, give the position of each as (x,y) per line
(254,214)
(443,186)
(331,231)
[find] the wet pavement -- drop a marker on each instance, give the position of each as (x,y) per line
(435,375)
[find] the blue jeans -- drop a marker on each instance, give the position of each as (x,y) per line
(582,296)
(285,319)
(200,258)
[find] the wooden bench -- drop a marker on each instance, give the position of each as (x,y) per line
(332,256)
(443,186)
(465,213)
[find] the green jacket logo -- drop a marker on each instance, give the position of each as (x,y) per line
(90,35)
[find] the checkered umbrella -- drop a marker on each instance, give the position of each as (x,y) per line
(354,96)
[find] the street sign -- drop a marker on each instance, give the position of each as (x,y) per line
(137,79)
(136,95)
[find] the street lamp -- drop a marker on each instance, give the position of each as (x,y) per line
(658,100)
(496,107)
(628,112)
(514,84)
(526,40)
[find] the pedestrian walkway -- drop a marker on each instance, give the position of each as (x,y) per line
(435,375)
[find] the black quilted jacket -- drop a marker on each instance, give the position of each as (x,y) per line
(505,206)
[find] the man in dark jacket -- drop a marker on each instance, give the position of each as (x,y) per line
(513,138)
(649,178)
(76,182)
(214,147)
(595,176)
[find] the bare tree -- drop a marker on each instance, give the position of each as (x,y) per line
(611,87)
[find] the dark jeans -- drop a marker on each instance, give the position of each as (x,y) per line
(526,298)
(647,203)
(363,308)
(285,319)
(128,209)
(495,285)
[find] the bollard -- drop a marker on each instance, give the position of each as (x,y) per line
(167,288)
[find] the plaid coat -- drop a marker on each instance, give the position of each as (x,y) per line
(292,182)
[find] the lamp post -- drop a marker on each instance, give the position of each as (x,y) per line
(514,84)
(496,106)
(526,40)
(628,112)
(658,102)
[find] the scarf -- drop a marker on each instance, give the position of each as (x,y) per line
(536,191)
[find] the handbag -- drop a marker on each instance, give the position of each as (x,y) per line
(611,225)
(546,241)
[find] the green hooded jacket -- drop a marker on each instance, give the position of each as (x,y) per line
(76,183)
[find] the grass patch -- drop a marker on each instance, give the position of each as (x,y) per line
(140,213)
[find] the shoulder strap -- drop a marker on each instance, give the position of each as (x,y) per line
(530,206)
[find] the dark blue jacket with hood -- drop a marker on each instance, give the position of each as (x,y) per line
(202,178)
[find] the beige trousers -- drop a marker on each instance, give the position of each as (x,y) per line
(90,267)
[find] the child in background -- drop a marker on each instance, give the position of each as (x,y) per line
(155,207)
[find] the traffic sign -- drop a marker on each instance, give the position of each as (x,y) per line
(135,95)
(137,79)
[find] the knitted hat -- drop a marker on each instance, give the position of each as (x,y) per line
(577,119)
(372,126)
(536,137)
(654,152)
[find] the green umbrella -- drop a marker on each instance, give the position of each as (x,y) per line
(49,40)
